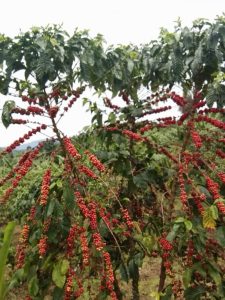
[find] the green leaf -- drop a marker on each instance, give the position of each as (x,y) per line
(137,112)
(8,232)
(18,276)
(111,118)
(103,295)
(51,206)
(214,212)
(142,179)
(6,113)
(214,274)
(194,293)
(198,267)
(180,220)
(138,258)
(58,293)
(99,118)
(172,234)
(188,225)
(47,263)
(187,276)
(45,69)
(58,209)
(64,266)
(33,286)
(54,42)
(124,272)
(167,294)
(204,191)
(59,271)
(132,267)
(130,65)
(220,235)
(57,276)
(68,195)
(209,216)
(41,42)
(148,242)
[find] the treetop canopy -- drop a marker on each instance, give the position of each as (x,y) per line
(193,58)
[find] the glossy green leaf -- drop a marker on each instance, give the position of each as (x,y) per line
(214,273)
(130,65)
(187,277)
(220,235)
(68,195)
(33,286)
(64,266)
(58,278)
(58,293)
(172,234)
(188,225)
(194,293)
(124,272)
(50,207)
(4,250)
(6,112)
(214,212)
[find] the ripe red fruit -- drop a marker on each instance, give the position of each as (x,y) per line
(53,111)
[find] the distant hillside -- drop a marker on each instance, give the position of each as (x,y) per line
(27,145)
(24,146)
(31,145)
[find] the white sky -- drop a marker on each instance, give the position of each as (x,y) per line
(120,21)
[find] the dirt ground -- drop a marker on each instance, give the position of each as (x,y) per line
(149,279)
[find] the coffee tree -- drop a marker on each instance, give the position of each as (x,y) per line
(132,185)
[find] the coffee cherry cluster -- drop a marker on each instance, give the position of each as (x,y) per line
(198,202)
(132,135)
(21,248)
(177,99)
(166,247)
(45,187)
(18,121)
(127,218)
(84,248)
(109,275)
(73,232)
(217,123)
(21,172)
(182,118)
(168,154)
(125,97)
(70,148)
(87,171)
(95,162)
(146,128)
(52,111)
(220,153)
(109,104)
(156,110)
(42,246)
(196,139)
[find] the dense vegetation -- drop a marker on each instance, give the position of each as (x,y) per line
(133,185)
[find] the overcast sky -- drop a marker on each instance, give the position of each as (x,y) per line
(120,21)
